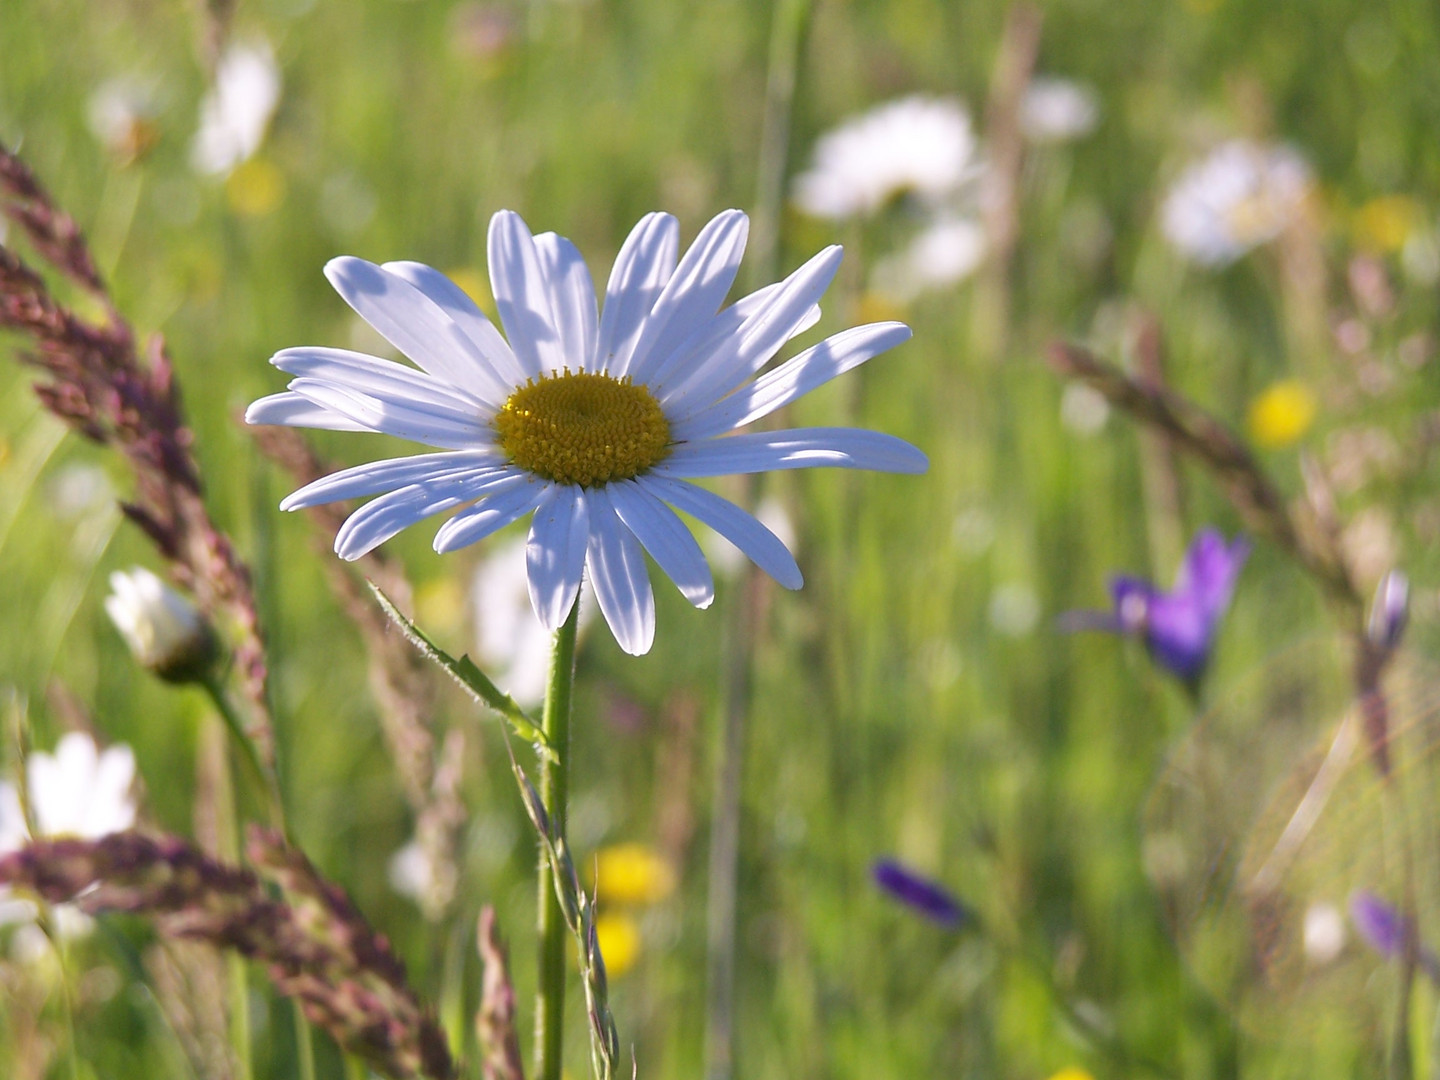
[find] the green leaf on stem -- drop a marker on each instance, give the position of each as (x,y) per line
(471,678)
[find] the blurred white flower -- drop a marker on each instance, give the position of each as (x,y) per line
(78,791)
(411,873)
(164,630)
(513,646)
(122,114)
(238,108)
(1324,932)
(945,252)
(917,145)
(1058,110)
(1014,609)
(78,490)
(1240,196)
(1083,409)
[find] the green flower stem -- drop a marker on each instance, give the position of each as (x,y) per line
(262,775)
(554,793)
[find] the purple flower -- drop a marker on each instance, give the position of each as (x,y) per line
(929,898)
(1178,627)
(1382,927)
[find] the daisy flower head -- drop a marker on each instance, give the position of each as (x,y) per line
(1242,195)
(593,419)
(917,145)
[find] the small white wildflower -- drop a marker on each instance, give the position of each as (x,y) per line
(1324,932)
(1083,409)
(122,116)
(1058,110)
(236,112)
(164,630)
(78,791)
(918,145)
(1239,197)
(1014,609)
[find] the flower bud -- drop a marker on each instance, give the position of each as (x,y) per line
(163,629)
(1390,611)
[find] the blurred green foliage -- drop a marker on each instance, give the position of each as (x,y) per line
(892,711)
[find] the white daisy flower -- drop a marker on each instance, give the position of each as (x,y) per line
(918,145)
(1239,197)
(80,791)
(165,631)
(1057,110)
(236,112)
(594,421)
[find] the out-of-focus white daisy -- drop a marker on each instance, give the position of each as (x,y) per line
(1014,609)
(513,647)
(595,422)
(1058,110)
(122,114)
(164,630)
(1240,196)
(944,253)
(1324,932)
(410,872)
(1083,409)
(918,145)
(236,112)
(78,791)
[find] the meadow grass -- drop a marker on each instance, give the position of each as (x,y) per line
(895,709)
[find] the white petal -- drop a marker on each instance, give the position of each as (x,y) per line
(417,422)
(763,547)
(372,375)
(494,513)
(617,570)
(644,265)
(795,448)
(375,477)
(521,295)
(793,379)
(292,410)
(572,298)
(110,808)
(414,324)
(665,537)
(380,519)
(456,303)
(762,334)
(693,294)
(555,553)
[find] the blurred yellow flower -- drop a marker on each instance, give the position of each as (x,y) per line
(1384,224)
(631,874)
(474,285)
(877,307)
(1072,1072)
(255,188)
(619,937)
(1281,414)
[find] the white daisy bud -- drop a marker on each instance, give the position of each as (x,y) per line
(164,630)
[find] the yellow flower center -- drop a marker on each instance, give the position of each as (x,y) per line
(580,428)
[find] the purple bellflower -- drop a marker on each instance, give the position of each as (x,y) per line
(1382,927)
(1178,627)
(920,894)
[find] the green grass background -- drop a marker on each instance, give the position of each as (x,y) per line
(890,715)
